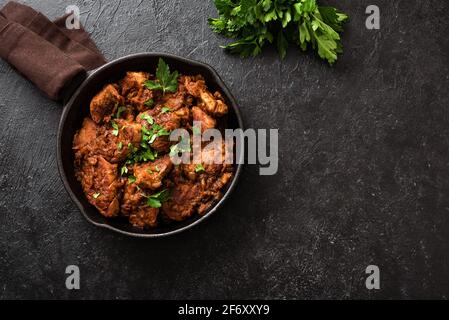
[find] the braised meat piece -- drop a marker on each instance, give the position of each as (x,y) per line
(188,197)
(86,135)
(164,120)
(211,173)
(133,81)
(144,217)
(105,104)
(213,161)
(211,103)
(176,100)
(135,92)
(185,198)
(132,198)
(149,175)
(112,144)
(128,138)
(135,208)
(206,121)
(101,184)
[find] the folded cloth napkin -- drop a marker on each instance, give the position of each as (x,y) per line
(47,53)
(54,33)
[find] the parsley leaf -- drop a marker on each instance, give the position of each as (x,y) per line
(96,195)
(119,111)
(149,103)
(115,128)
(131,179)
(156,200)
(165,109)
(199,168)
(180,147)
(120,145)
(253,24)
(147,117)
(166,81)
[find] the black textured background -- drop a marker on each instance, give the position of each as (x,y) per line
(363,179)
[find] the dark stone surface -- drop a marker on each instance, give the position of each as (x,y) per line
(364,177)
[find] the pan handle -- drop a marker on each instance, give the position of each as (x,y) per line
(70,89)
(73,85)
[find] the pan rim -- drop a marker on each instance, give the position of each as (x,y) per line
(67,108)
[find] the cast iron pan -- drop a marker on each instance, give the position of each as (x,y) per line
(77,108)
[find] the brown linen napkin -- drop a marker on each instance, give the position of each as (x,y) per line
(45,65)
(77,44)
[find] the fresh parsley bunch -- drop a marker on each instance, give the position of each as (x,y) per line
(255,23)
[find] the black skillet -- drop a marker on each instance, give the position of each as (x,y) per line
(77,108)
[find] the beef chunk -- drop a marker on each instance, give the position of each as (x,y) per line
(134,206)
(214,174)
(207,122)
(149,175)
(86,135)
(93,139)
(132,198)
(129,133)
(189,197)
(133,82)
(105,104)
(212,104)
(134,90)
(212,161)
(184,200)
(144,217)
(174,100)
(101,185)
(168,121)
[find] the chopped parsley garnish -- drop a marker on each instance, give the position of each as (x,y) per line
(131,148)
(115,127)
(149,103)
(165,109)
(199,168)
(96,195)
(156,200)
(145,155)
(157,169)
(166,81)
(131,179)
(124,170)
(120,145)
(180,147)
(151,134)
(119,111)
(147,117)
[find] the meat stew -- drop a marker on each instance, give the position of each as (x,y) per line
(123,151)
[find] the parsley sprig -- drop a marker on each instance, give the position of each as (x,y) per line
(156,200)
(256,23)
(166,81)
